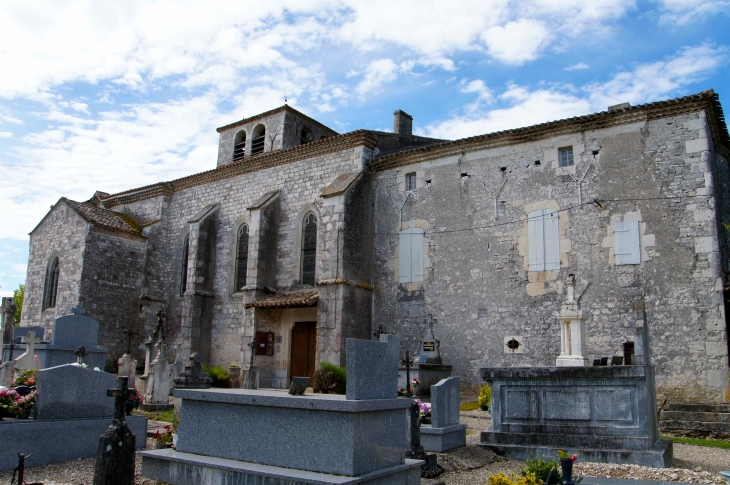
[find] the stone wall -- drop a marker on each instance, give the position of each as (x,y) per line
(477,282)
(61,233)
(110,289)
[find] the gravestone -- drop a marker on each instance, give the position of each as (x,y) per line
(14,347)
(431,368)
(29,359)
(445,431)
(572,331)
(642,353)
(127,367)
(7,319)
(7,373)
(70,391)
(372,368)
(178,367)
(193,377)
(157,395)
(115,458)
(251,372)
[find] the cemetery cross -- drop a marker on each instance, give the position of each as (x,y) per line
(80,353)
(78,310)
(129,333)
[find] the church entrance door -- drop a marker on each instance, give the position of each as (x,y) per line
(303,349)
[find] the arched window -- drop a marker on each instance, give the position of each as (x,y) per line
(307,136)
(51,288)
(258,139)
(239,145)
(184,268)
(241,257)
(309,248)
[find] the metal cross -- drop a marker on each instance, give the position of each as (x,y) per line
(120,395)
(78,310)
(160,327)
(253,348)
(129,333)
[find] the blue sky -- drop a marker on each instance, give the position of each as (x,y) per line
(114,95)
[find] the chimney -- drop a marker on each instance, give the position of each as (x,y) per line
(402,123)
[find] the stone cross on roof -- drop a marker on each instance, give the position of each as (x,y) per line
(78,310)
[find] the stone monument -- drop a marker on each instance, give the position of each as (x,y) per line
(7,319)
(157,391)
(251,372)
(115,458)
(572,331)
(360,437)
(29,359)
(430,366)
(71,412)
(445,432)
(127,364)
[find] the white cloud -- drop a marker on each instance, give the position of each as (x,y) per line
(377,73)
(577,67)
(657,80)
(683,12)
(5,134)
(517,42)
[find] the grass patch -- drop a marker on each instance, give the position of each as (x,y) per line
(470,406)
(158,416)
(699,441)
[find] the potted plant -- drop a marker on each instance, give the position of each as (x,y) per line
(485,397)
(566,466)
(134,399)
(8,398)
(24,405)
(163,437)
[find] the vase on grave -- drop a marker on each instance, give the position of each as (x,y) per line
(128,408)
(566,467)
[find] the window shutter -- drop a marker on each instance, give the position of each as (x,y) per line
(417,255)
(535,241)
(626,239)
(404,256)
(552,239)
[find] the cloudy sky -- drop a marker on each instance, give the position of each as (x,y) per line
(114,95)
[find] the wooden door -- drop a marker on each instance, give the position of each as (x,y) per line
(303,349)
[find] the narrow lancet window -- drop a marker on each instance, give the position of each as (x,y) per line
(184,268)
(51,287)
(309,248)
(241,257)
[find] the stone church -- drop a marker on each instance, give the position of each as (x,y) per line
(301,237)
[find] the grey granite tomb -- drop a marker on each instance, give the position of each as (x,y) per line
(72,412)
(445,432)
(242,436)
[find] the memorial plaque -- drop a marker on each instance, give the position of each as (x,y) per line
(429,346)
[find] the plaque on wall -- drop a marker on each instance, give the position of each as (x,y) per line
(429,346)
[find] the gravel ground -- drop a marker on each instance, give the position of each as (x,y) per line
(469,466)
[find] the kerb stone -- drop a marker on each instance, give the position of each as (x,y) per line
(372,368)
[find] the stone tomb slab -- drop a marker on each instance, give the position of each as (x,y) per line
(445,431)
(75,330)
(73,392)
(372,368)
(324,433)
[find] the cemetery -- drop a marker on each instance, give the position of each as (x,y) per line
(601,413)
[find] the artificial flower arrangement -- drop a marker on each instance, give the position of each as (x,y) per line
(28,378)
(134,398)
(13,404)
(565,456)
(164,436)
(424,409)
(25,404)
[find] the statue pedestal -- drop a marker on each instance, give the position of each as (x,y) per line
(572,337)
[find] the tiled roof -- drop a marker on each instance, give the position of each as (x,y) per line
(706,100)
(105,218)
(286,299)
(285,107)
(340,184)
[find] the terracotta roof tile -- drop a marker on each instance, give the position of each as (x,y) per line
(105,218)
(286,299)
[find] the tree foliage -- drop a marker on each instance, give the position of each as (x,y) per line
(18,297)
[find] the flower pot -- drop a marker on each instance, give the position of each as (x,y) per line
(128,407)
(161,446)
(23,415)
(566,466)
(485,407)
(174,440)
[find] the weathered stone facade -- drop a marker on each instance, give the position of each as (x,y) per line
(660,168)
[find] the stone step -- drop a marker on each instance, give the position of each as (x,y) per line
(699,407)
(695,429)
(564,440)
(695,416)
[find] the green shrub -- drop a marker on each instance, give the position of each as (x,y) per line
(330,379)
(219,375)
(541,468)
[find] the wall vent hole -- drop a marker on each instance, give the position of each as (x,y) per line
(504,169)
(464,174)
(595,152)
(537,163)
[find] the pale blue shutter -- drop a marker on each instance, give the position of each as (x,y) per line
(535,241)
(404,256)
(417,254)
(626,240)
(552,239)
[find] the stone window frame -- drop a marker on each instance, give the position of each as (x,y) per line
(254,138)
(411,181)
(302,140)
(297,248)
(244,219)
(569,156)
(49,300)
(236,142)
(183,275)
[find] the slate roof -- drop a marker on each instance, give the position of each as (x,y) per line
(105,218)
(340,184)
(286,299)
